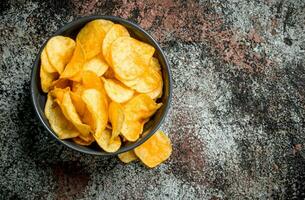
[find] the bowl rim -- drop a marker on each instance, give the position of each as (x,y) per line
(35,68)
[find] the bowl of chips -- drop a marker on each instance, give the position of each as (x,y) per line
(101,85)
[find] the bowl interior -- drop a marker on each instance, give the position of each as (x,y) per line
(71,30)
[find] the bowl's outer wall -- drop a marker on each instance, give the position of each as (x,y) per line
(71,30)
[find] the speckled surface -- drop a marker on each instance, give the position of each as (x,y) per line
(237,118)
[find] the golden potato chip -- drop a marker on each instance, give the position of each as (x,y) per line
(128,156)
(103,140)
(79,140)
(157,92)
(91,37)
(58,94)
(130,57)
(59,50)
(70,113)
(131,130)
(150,80)
(46,79)
(95,103)
(154,63)
(117,91)
(60,125)
(97,65)
(116,118)
(75,66)
(45,62)
(78,103)
(155,150)
(140,107)
(115,32)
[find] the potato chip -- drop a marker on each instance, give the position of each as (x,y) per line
(155,150)
(128,156)
(60,125)
(115,32)
(46,79)
(150,80)
(78,103)
(94,101)
(75,66)
(97,65)
(117,91)
(116,118)
(70,113)
(154,63)
(59,50)
(45,62)
(91,37)
(58,94)
(81,141)
(103,140)
(61,83)
(140,107)
(131,130)
(130,57)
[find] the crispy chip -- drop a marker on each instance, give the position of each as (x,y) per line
(128,156)
(78,103)
(115,32)
(84,142)
(140,107)
(60,125)
(59,50)
(117,91)
(130,57)
(150,80)
(45,63)
(75,66)
(116,118)
(155,150)
(154,63)
(131,130)
(93,99)
(61,83)
(70,113)
(91,36)
(97,65)
(46,79)
(109,73)
(103,140)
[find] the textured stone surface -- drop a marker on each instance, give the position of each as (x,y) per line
(237,118)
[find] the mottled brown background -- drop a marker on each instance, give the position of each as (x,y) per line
(237,118)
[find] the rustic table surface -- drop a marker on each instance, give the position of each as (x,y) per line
(237,118)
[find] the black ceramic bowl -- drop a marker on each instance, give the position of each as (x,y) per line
(71,30)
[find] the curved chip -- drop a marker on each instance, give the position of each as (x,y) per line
(116,91)
(130,57)
(131,130)
(70,113)
(109,73)
(93,99)
(75,66)
(45,62)
(140,107)
(150,80)
(155,150)
(115,32)
(61,83)
(46,79)
(97,65)
(128,156)
(154,63)
(60,125)
(59,50)
(103,140)
(91,37)
(83,141)
(116,118)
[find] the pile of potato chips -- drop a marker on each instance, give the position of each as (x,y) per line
(102,88)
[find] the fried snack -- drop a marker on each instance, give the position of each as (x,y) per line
(46,79)
(128,156)
(116,118)
(116,91)
(97,65)
(132,129)
(45,64)
(60,125)
(130,57)
(103,140)
(59,50)
(155,150)
(84,142)
(115,32)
